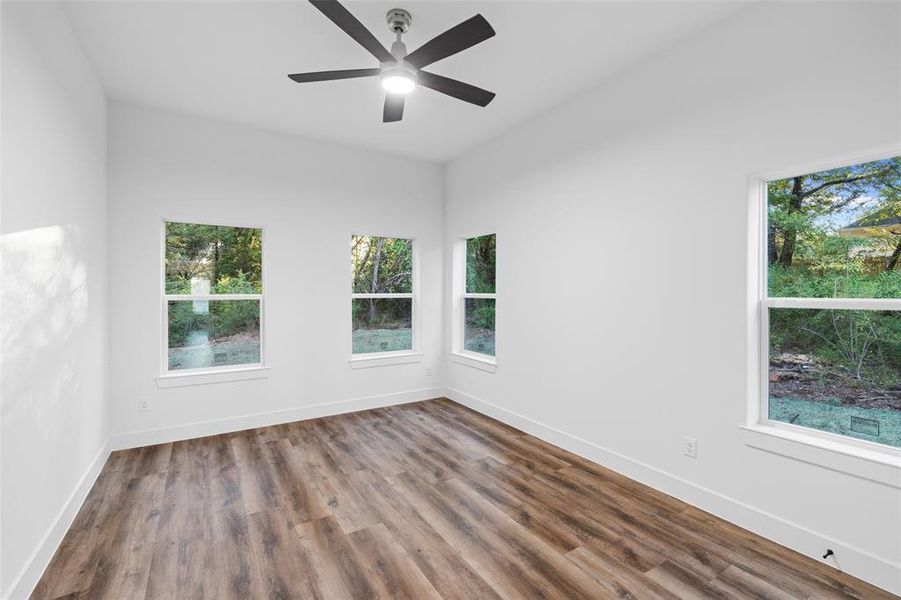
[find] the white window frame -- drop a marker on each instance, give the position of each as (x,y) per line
(392,357)
(177,377)
(860,457)
(459,353)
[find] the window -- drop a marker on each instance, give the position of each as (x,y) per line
(479,295)
(383,298)
(831,311)
(212,297)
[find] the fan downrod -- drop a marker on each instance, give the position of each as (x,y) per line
(399,20)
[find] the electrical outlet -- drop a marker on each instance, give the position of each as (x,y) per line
(691,447)
(144,405)
(428,371)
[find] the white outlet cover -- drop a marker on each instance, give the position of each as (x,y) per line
(691,447)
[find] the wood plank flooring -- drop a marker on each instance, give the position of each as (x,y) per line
(424,500)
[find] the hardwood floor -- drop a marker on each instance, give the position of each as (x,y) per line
(425,500)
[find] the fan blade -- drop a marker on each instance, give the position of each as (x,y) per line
(394,108)
(457,89)
(330,75)
(341,17)
(456,39)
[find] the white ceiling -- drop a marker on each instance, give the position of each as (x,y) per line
(229,61)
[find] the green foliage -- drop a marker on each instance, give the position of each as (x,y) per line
(381,313)
(231,317)
(832,234)
(223,317)
(809,283)
(808,217)
(860,344)
(794,201)
(230,258)
(481,264)
(234,284)
(480,313)
(831,254)
(183,320)
(240,252)
(212,252)
(479,326)
(381,265)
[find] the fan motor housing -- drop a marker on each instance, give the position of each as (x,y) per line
(399,20)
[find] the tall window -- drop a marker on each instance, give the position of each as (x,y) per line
(213,297)
(479,295)
(831,315)
(383,295)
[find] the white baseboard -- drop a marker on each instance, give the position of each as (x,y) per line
(857,562)
(23,584)
(136,439)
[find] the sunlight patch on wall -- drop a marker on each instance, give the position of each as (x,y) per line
(43,303)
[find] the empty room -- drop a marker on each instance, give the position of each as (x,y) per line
(450,299)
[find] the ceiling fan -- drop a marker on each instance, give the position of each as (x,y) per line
(401,72)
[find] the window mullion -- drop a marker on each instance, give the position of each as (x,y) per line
(392,295)
(203,297)
(835,303)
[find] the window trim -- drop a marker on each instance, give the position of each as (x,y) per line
(459,354)
(475,360)
(865,463)
(199,376)
(826,445)
(190,379)
(390,357)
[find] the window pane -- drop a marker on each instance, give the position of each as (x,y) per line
(210,259)
(836,233)
(837,371)
(382,324)
(478,325)
(215,333)
(480,264)
(381,265)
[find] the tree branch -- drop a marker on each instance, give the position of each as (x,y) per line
(842,181)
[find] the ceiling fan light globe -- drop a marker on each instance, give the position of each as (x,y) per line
(398,84)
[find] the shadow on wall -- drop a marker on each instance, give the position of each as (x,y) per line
(43,303)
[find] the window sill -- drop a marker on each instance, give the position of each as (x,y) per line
(204,378)
(476,362)
(882,467)
(384,360)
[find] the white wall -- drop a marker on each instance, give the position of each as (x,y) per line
(309,197)
(622,261)
(52,282)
